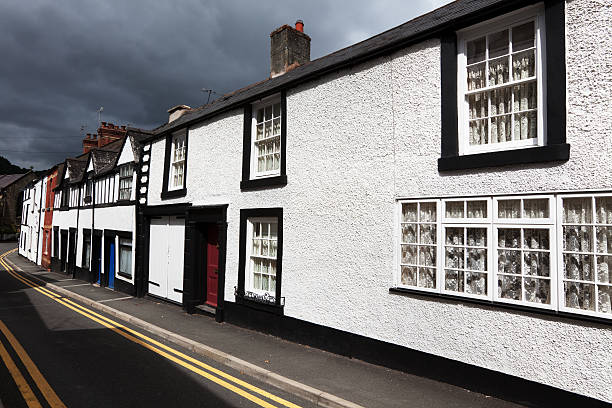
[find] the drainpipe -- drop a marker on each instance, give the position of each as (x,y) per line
(40,211)
(93,225)
(76,239)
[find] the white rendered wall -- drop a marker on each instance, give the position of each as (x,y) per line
(361,138)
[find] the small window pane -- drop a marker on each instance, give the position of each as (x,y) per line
(580,296)
(604,240)
(428,212)
(476,77)
(409,234)
(268,112)
(577,210)
(499,71)
(525,96)
(454,209)
(409,212)
(500,129)
(454,236)
(535,208)
(476,50)
(536,239)
(603,207)
(260,115)
(409,275)
(409,254)
(479,132)
(509,287)
(523,65)
(604,269)
(501,101)
(605,292)
(477,209)
(428,234)
(578,267)
(537,290)
(276,110)
(523,36)
(453,280)
(478,105)
(508,237)
(509,209)
(536,263)
(427,278)
(577,238)
(476,283)
(498,44)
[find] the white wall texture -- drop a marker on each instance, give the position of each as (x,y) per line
(363,137)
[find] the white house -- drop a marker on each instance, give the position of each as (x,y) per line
(30,237)
(94,228)
(436,199)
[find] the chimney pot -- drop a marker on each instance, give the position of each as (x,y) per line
(299,25)
(122,127)
(177,111)
(103,124)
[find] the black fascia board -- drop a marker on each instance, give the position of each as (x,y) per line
(453,16)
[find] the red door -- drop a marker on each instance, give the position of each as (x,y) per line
(212,265)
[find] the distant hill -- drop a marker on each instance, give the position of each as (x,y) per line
(6,167)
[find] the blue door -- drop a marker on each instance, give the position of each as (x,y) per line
(111,266)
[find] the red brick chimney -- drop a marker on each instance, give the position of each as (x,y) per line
(107,133)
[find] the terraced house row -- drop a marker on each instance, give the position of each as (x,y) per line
(436,199)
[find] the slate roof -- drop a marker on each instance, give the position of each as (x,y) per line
(103,160)
(8,179)
(76,168)
(450,17)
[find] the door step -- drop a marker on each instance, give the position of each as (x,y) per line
(209,310)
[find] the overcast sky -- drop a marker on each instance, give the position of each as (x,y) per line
(63,59)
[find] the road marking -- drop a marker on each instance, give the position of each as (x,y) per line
(116,327)
(22,384)
(112,300)
(35,373)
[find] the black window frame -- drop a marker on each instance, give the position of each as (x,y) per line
(65,197)
(182,192)
(556,148)
(240,294)
(280,180)
(88,188)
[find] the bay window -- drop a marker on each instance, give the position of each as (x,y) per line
(548,251)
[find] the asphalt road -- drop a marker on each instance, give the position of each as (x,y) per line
(86,364)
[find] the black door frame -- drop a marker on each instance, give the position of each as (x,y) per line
(96,255)
(72,251)
(194,280)
(64,251)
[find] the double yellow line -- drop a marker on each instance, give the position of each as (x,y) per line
(217,376)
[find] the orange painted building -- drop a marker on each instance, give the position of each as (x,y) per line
(52,181)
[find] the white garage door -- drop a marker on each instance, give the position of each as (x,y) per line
(166,254)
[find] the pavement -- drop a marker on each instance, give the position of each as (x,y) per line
(313,377)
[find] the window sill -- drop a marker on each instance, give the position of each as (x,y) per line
(266,307)
(542,154)
(174,193)
(500,305)
(124,275)
(276,181)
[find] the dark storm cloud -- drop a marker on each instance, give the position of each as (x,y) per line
(61,60)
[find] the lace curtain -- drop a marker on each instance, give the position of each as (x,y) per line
(508,112)
(587,257)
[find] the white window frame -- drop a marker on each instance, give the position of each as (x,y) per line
(465,222)
(532,13)
(174,164)
(398,245)
(119,271)
(249,269)
(270,101)
(130,189)
(594,224)
(553,223)
(523,223)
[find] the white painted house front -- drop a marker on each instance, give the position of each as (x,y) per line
(30,239)
(436,199)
